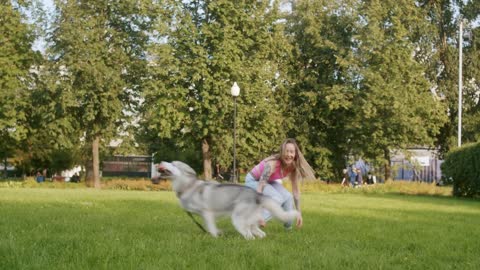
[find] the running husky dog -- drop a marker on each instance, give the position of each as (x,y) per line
(211,199)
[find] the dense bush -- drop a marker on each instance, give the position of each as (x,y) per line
(462,166)
(395,187)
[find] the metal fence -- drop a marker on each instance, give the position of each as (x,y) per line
(127,166)
(428,171)
(423,165)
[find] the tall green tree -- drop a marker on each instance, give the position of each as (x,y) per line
(17,58)
(97,56)
(442,63)
(322,81)
(355,62)
(209,46)
(471,72)
(395,106)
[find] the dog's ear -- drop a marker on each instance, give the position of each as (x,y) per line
(187,170)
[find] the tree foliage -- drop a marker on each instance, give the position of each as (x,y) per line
(396,108)
(18,78)
(210,45)
(356,71)
(442,66)
(471,73)
(344,78)
(97,56)
(16,59)
(321,92)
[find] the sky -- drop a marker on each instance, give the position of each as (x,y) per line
(40,44)
(48,3)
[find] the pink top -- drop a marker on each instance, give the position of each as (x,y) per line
(277,173)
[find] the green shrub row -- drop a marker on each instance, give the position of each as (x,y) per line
(462,166)
(125,184)
(112,183)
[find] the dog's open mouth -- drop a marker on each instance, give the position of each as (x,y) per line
(164,172)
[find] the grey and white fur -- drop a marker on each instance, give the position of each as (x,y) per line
(211,199)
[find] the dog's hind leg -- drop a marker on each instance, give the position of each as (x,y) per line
(209,219)
(254,222)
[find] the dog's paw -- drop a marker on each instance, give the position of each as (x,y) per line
(216,233)
(259,233)
(248,235)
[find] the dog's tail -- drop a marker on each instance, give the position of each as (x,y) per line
(277,211)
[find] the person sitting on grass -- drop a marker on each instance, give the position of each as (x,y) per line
(40,178)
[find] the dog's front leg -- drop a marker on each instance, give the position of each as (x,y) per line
(209,218)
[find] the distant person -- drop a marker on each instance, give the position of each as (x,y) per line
(39,178)
(75,178)
(218,173)
(359,177)
(371,179)
(362,166)
(352,174)
(345,179)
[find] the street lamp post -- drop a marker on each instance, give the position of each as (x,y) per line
(460,60)
(235,91)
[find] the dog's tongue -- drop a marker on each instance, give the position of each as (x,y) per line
(161,168)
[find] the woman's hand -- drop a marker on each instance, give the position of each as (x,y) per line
(299,221)
(260,187)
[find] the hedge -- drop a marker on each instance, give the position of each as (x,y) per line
(462,166)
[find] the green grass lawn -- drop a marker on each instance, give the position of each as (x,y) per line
(110,229)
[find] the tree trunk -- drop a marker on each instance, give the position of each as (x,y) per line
(207,160)
(388,168)
(5,164)
(89,173)
(96,162)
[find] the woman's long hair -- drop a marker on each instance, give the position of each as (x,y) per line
(302,169)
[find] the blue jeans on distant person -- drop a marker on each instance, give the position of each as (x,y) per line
(353,177)
(359,179)
(277,192)
(352,181)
